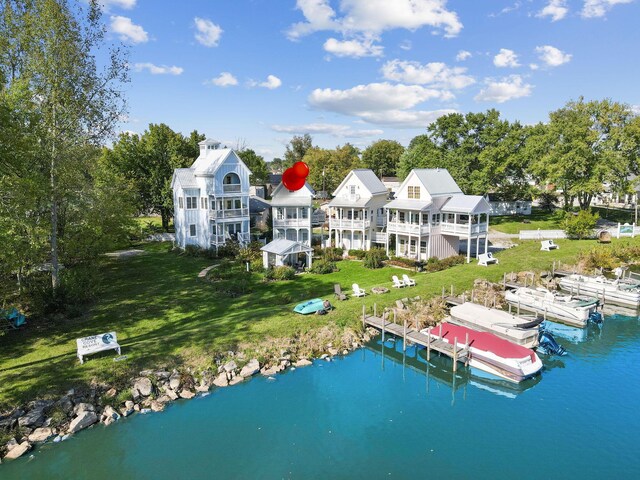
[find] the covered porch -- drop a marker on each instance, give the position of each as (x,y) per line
(467,217)
(286,252)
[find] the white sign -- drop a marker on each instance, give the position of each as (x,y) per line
(97,343)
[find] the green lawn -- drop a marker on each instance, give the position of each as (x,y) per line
(164,315)
(512,224)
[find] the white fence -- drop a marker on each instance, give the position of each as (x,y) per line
(621,230)
(541,234)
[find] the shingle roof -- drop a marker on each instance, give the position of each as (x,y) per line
(185,178)
(437,181)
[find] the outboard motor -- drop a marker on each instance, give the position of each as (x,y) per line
(548,345)
(596,317)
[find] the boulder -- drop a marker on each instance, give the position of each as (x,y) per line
(83,407)
(129,405)
(162,375)
(230,366)
(164,399)
(143,386)
(333,351)
(33,418)
(345,352)
(136,407)
(284,363)
(202,388)
(66,404)
(171,394)
(267,372)
(303,362)
(221,380)
(174,381)
(187,394)
(236,380)
(18,451)
(250,368)
(110,413)
(40,435)
(112,392)
(157,406)
(11,444)
(82,421)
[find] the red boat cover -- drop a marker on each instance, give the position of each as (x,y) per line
(483,341)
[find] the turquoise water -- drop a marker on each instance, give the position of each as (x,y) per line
(375,415)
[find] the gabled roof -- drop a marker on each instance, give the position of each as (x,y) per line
(471,204)
(210,160)
(368,179)
(300,198)
(184,177)
(346,202)
(437,181)
(283,247)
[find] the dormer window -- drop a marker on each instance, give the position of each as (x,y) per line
(413,192)
(351,189)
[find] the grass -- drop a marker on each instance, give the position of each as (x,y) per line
(165,316)
(512,224)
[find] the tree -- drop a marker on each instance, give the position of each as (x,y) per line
(327,168)
(296,149)
(383,157)
(584,146)
(149,160)
(257,165)
(48,61)
(276,166)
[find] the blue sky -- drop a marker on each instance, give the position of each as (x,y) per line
(260,71)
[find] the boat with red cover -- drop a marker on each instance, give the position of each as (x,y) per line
(490,353)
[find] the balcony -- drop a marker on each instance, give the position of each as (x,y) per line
(217,240)
(232,188)
(291,222)
(381,221)
(345,223)
(233,213)
(463,229)
(408,228)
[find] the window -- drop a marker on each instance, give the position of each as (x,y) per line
(304,213)
(425,218)
(192,230)
(181,202)
(351,189)
(413,192)
(401,217)
(192,202)
(203,202)
(280,213)
(435,219)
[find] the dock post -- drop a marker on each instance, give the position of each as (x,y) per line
(464,297)
(485,302)
(452,290)
(394,316)
(443,291)
(466,344)
(375,310)
(504,281)
(383,326)
(404,336)
(518,306)
(455,354)
(553,269)
(364,325)
(603,297)
(545,313)
(473,295)
(509,308)
(440,332)
(429,345)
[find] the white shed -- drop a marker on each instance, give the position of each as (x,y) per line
(286,252)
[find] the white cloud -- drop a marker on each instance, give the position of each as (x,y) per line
(332,129)
(534,66)
(381,103)
(552,56)
(353,48)
(272,82)
(506,58)
(374,17)
(503,90)
(436,74)
(406,45)
(127,30)
(208,32)
(125,4)
(599,8)
(158,69)
(463,55)
(225,79)
(556,9)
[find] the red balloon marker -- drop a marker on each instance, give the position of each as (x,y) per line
(301,169)
(291,181)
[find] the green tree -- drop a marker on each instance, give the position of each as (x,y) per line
(327,168)
(383,157)
(257,165)
(276,165)
(296,149)
(584,146)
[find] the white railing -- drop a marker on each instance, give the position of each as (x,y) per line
(379,237)
(349,224)
(351,198)
(411,228)
(462,229)
(233,188)
(217,239)
(291,222)
(222,239)
(541,234)
(235,212)
(381,221)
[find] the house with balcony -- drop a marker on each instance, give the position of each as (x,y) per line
(430,216)
(291,213)
(356,213)
(211,198)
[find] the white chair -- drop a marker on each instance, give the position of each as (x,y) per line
(397,283)
(485,259)
(548,245)
(357,291)
(408,281)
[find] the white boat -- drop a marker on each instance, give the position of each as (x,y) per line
(521,331)
(616,291)
(489,353)
(568,309)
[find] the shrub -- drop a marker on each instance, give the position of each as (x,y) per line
(250,252)
(374,258)
(581,225)
(332,254)
(359,254)
(402,262)
(548,200)
(323,266)
(280,273)
(435,265)
(192,251)
(231,249)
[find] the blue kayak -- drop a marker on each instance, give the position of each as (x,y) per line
(310,306)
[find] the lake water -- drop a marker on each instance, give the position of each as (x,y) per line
(375,415)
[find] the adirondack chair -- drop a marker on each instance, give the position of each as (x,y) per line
(409,282)
(397,283)
(485,259)
(11,318)
(357,291)
(337,291)
(548,245)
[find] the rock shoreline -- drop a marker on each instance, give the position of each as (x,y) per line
(42,421)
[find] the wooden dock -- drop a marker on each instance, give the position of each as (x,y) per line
(453,351)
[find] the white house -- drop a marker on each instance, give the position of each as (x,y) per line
(211,198)
(356,213)
(291,213)
(430,215)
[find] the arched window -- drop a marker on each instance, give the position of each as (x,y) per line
(231,179)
